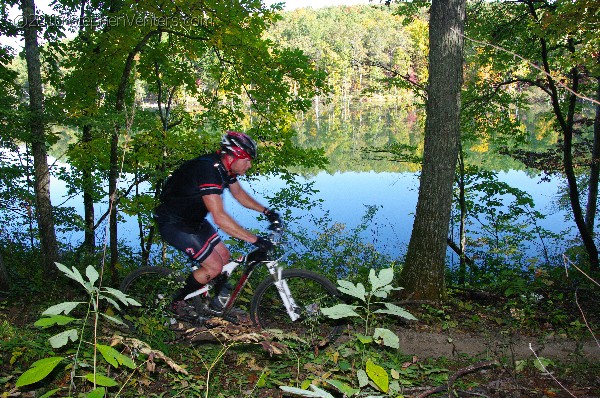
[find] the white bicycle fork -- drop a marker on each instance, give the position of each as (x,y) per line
(284,291)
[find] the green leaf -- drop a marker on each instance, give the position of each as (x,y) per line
(122,297)
(364,339)
(378,375)
(542,364)
(389,338)
(339,311)
(393,309)
(386,276)
(50,393)
(109,353)
(63,338)
(101,380)
(382,292)
(344,365)
(38,371)
(65,308)
(110,300)
(92,274)
(114,357)
(74,274)
(363,378)
(351,289)
(113,319)
(317,392)
(96,393)
(344,388)
(54,320)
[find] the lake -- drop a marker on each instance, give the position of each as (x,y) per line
(354,180)
(345,196)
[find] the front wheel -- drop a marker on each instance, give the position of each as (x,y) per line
(311,292)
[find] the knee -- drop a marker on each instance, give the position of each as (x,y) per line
(223,253)
(213,268)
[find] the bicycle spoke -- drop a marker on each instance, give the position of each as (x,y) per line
(310,292)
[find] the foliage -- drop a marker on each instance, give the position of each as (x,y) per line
(246,369)
(528,45)
(369,372)
(359,46)
(501,224)
(380,288)
(60,315)
(337,251)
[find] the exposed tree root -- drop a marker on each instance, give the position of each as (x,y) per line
(461,372)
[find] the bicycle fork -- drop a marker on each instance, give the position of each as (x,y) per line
(284,291)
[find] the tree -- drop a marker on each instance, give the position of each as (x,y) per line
(38,141)
(423,272)
(553,47)
(213,55)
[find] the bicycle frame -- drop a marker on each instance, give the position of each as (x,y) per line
(249,266)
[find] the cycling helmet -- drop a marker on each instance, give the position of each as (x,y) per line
(239,145)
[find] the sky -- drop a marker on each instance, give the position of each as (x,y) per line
(42,5)
(293,4)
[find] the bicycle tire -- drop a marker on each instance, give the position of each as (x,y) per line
(153,288)
(310,291)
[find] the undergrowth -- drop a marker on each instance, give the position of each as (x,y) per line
(540,304)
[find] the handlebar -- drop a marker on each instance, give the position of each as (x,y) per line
(275,236)
(277,228)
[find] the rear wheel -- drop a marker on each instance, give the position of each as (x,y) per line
(310,292)
(153,288)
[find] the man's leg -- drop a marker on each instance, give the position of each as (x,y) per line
(212,266)
(202,245)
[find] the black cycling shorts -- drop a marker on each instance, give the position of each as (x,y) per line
(195,241)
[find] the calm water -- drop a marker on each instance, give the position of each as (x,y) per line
(343,135)
(345,196)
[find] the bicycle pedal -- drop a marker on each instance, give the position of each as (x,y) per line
(200,321)
(208,311)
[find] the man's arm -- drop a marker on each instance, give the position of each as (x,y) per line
(244,198)
(214,204)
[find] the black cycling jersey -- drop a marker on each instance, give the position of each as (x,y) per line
(183,190)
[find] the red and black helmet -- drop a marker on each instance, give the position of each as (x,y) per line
(239,145)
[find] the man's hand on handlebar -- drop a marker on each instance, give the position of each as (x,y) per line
(263,243)
(272,216)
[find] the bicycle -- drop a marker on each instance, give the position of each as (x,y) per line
(288,300)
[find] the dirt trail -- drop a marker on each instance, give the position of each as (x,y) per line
(429,344)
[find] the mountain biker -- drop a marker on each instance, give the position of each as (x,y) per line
(192,192)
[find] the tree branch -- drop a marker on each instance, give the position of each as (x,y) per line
(533,65)
(461,372)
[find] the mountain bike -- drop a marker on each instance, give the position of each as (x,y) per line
(288,299)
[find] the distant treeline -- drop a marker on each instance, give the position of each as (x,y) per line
(360,47)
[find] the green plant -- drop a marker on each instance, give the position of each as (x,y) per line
(370,305)
(370,375)
(76,330)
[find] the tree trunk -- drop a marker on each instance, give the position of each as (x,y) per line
(45,218)
(592,200)
(113,176)
(423,272)
(113,173)
(89,242)
(4,282)
(462,203)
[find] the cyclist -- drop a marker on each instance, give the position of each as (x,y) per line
(192,192)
